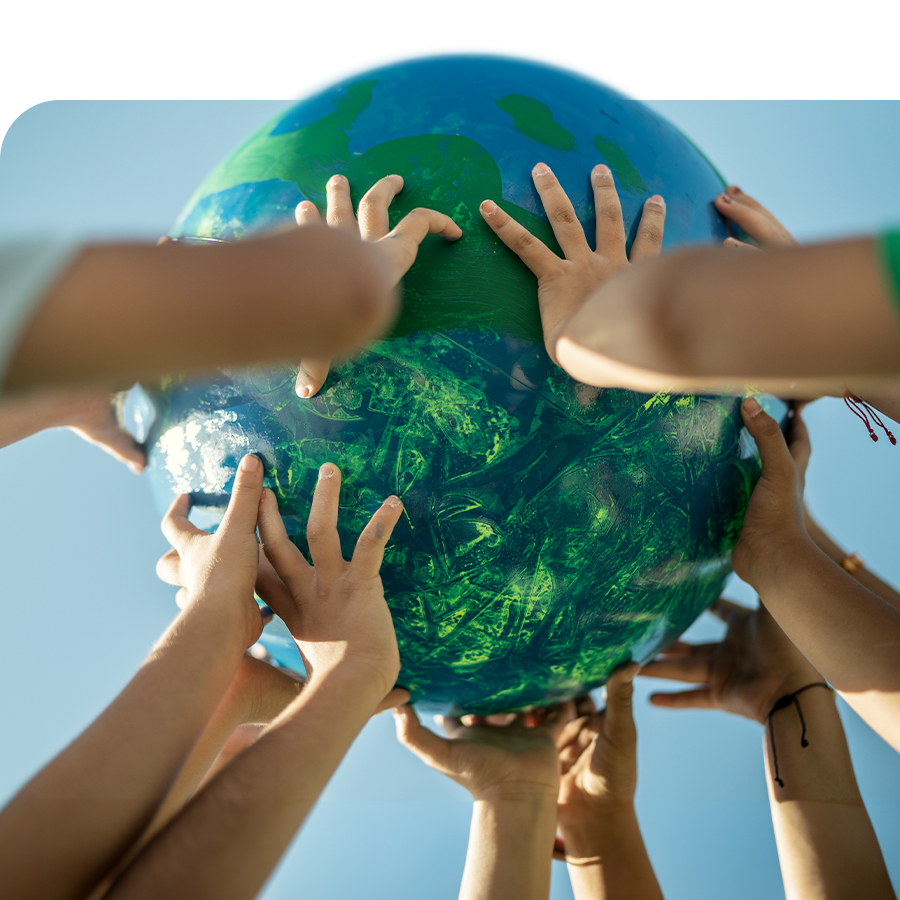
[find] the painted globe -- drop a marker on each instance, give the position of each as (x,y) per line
(551,530)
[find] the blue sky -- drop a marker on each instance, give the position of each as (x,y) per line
(81,605)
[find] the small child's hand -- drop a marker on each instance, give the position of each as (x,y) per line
(774,519)
(493,763)
(335,609)
(598,756)
(398,246)
(219,567)
(564,284)
(752,218)
(744,674)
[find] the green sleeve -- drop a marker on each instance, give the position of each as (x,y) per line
(889,250)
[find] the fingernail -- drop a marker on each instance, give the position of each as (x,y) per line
(542,169)
(734,190)
(751,407)
(335,180)
(656,200)
(392,501)
(601,173)
(304,391)
(725,198)
(250,463)
(326,471)
(488,207)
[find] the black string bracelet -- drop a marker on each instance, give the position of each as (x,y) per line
(786,701)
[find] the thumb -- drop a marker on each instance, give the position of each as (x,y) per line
(396,697)
(243,507)
(429,747)
(773,450)
(618,719)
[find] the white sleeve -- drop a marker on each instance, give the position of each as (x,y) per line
(28,270)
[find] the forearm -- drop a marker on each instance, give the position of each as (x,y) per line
(125,312)
(702,319)
(21,417)
(847,633)
(863,575)
(228,839)
(510,849)
(101,792)
(826,844)
(607,859)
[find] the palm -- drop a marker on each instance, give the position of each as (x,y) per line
(486,758)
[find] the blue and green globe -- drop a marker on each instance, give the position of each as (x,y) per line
(551,530)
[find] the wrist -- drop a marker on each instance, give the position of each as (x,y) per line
(585,828)
(776,555)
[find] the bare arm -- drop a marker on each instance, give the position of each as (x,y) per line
(836,554)
(848,633)
(827,847)
(707,319)
(512,773)
(604,848)
(228,839)
(125,312)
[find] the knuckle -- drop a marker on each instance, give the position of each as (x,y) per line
(609,214)
(565,215)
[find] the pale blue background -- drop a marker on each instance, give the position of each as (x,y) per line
(81,606)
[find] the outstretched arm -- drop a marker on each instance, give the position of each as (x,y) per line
(604,848)
(848,633)
(826,844)
(512,773)
(714,319)
(65,829)
(227,840)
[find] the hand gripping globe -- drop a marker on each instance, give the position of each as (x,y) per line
(551,530)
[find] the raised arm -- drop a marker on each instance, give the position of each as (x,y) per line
(827,847)
(512,774)
(603,845)
(65,829)
(123,312)
(848,633)
(227,840)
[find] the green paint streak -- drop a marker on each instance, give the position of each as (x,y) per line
(535,120)
(626,174)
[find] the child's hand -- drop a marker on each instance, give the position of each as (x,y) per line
(334,609)
(493,763)
(398,247)
(564,284)
(774,520)
(598,757)
(753,218)
(745,674)
(219,568)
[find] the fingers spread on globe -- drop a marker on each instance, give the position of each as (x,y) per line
(565,283)
(399,245)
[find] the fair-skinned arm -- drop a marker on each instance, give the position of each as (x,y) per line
(371,226)
(683,323)
(257,694)
(604,849)
(827,847)
(65,829)
(109,319)
(227,840)
(512,773)
(86,411)
(847,632)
